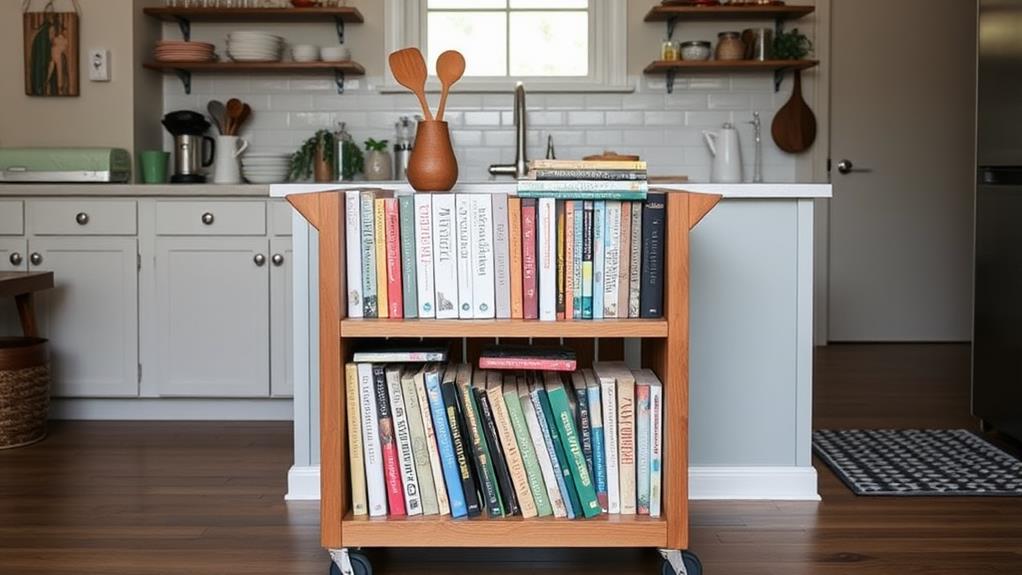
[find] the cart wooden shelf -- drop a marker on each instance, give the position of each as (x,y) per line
(665,351)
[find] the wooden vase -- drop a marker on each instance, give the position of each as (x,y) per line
(432,167)
(322,169)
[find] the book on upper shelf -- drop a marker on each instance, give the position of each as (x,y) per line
(612,165)
(583,189)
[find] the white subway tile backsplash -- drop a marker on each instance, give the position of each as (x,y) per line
(458,101)
(713,119)
(602,101)
(498,138)
(708,83)
(729,101)
(753,83)
(603,137)
(294,103)
(642,137)
(559,101)
(463,138)
(624,118)
(643,102)
(563,138)
(482,118)
(585,118)
(539,119)
(497,102)
(261,85)
(686,100)
(664,119)
(311,120)
(312,84)
(263,120)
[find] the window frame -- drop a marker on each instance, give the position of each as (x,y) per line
(608,40)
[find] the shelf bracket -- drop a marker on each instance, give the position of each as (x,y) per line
(186,79)
(779,79)
(670,81)
(670,27)
(186,27)
(339,22)
(778,27)
(339,80)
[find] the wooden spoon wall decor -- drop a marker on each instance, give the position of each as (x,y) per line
(409,69)
(794,127)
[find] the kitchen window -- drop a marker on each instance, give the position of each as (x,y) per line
(551,45)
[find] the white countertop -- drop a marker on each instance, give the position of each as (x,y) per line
(136,190)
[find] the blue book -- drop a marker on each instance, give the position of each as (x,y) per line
(445,444)
(571,501)
(548,441)
(596,422)
(599,230)
(576,264)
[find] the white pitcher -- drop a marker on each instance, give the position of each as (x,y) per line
(228,164)
(727,155)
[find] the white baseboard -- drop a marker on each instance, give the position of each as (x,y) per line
(736,483)
(170,409)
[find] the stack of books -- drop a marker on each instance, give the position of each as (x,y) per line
(447,439)
(534,255)
(585,180)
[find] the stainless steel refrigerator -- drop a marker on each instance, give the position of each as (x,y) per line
(997,330)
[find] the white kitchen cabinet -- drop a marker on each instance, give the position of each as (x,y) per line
(281,314)
(213,316)
(13,258)
(91,314)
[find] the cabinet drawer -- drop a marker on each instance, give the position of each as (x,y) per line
(82,217)
(280,218)
(211,218)
(12,217)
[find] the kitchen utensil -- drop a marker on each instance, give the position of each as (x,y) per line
(727,155)
(154,166)
(432,167)
(246,111)
(234,110)
(218,113)
(794,127)
(409,69)
(449,68)
(227,169)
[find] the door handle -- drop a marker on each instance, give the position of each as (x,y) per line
(846,167)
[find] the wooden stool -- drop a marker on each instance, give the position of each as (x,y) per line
(24,369)
(22,285)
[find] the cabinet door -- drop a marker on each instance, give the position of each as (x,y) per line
(91,314)
(213,313)
(11,250)
(281,314)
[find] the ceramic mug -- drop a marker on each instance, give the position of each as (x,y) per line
(228,164)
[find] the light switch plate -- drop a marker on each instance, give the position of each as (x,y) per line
(99,65)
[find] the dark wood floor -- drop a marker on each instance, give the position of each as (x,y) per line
(206,499)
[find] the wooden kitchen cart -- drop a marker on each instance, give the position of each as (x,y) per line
(665,350)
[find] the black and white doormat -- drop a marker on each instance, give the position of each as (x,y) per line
(909,462)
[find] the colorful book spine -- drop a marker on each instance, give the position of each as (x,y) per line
(582,419)
(573,449)
(445,445)
(546,236)
(483,289)
(642,453)
(624,258)
(587,260)
(500,469)
(611,257)
(527,448)
(409,276)
(462,454)
(420,447)
(519,363)
(599,261)
(608,399)
(445,257)
(578,230)
(514,221)
(426,289)
(433,450)
(356,455)
(463,250)
(619,195)
(651,293)
(548,444)
(619,175)
(626,438)
(656,443)
(530,283)
(559,260)
(509,443)
(635,269)
(546,467)
(380,243)
(403,437)
(572,501)
(609,165)
(395,284)
(567,263)
(568,189)
(353,252)
(370,302)
(388,445)
(375,481)
(480,450)
(596,423)
(501,257)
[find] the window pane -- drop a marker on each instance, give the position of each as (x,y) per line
(480,36)
(549,43)
(547,4)
(466,4)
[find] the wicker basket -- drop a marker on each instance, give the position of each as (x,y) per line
(24,390)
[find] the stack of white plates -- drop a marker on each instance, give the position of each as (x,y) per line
(265,168)
(252,46)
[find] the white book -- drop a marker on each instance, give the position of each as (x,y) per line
(371,442)
(611,258)
(353,251)
(435,465)
(445,264)
(424,246)
(463,251)
(501,256)
(608,398)
(546,227)
(403,437)
(635,271)
(546,467)
(642,438)
(656,444)
(483,289)
(369,288)
(423,471)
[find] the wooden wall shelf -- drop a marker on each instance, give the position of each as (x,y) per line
(184,70)
(667,13)
(174,14)
(651,328)
(674,67)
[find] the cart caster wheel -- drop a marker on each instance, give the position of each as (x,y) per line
(359,565)
(692,565)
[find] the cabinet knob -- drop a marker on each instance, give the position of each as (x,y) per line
(277,259)
(82,218)
(207,218)
(16,259)
(259,259)
(36,258)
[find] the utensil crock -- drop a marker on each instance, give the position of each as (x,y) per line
(433,166)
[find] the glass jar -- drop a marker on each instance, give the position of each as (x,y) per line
(730,46)
(696,50)
(668,50)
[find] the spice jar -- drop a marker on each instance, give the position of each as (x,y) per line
(730,46)
(668,50)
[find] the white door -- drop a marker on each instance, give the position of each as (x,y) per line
(13,258)
(213,313)
(91,314)
(281,330)
(902,107)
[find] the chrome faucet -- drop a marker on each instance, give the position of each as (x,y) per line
(520,168)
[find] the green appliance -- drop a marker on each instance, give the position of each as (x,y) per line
(64,165)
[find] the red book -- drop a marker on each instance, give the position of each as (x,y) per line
(527,358)
(391,467)
(393,235)
(530,288)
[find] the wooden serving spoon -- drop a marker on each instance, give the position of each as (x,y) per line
(246,111)
(409,69)
(794,126)
(450,66)
(234,110)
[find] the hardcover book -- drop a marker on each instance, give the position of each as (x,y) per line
(509,443)
(483,295)
(610,165)
(375,482)
(599,231)
(420,447)
(353,252)
(409,276)
(544,419)
(567,263)
(576,264)
(559,259)
(625,175)
(642,444)
(445,258)
(582,421)
(480,450)
(651,292)
(625,430)
(380,243)
(359,501)
(527,357)
(583,189)
(402,354)
(424,255)
(395,283)
(445,443)
(527,448)
(611,257)
(514,220)
(587,260)
(501,256)
(463,249)
(635,269)
(403,437)
(608,400)
(500,468)
(370,302)
(530,283)
(388,444)
(624,259)
(432,449)
(656,440)
(552,378)
(596,423)
(573,450)
(547,238)
(462,455)
(539,448)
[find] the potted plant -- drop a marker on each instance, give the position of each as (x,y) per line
(377,162)
(792,45)
(315,158)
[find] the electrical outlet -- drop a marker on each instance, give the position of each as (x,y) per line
(99,65)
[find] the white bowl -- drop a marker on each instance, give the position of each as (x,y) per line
(335,53)
(256,34)
(305,53)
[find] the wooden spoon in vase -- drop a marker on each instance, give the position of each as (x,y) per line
(409,69)
(450,66)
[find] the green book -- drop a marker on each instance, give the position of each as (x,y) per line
(406,223)
(528,451)
(573,449)
(555,437)
(480,450)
